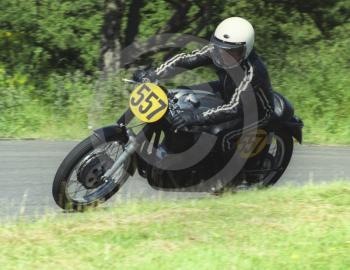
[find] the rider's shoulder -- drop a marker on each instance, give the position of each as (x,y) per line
(257,63)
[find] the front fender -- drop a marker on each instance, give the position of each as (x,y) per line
(112,133)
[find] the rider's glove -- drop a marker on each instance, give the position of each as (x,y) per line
(144,76)
(186,119)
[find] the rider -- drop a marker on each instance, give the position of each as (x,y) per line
(240,71)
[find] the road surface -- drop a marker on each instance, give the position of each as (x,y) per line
(27,169)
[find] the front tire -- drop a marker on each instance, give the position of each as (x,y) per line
(71,167)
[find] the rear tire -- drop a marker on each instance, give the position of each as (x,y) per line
(288,145)
(67,167)
(285,145)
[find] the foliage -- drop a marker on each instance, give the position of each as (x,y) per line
(68,105)
(50,56)
(46,35)
(315,79)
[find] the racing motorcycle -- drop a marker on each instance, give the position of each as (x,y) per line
(200,158)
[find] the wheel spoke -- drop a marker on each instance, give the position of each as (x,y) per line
(77,190)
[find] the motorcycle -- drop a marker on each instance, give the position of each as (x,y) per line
(200,158)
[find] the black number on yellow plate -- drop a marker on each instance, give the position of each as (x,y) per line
(148,102)
(252,144)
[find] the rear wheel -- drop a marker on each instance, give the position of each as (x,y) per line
(267,170)
(78,182)
(276,160)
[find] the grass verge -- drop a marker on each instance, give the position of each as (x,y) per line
(280,228)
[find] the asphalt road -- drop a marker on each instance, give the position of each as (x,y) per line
(27,169)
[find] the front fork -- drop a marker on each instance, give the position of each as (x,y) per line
(135,142)
(130,148)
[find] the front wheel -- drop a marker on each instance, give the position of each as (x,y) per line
(78,182)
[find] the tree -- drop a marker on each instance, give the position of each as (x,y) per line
(132,28)
(326,14)
(111,35)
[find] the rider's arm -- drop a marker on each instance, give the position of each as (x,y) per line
(256,84)
(233,109)
(184,61)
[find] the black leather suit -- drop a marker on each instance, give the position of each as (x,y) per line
(233,85)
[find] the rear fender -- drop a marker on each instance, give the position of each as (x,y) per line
(294,126)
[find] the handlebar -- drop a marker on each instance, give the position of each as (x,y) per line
(129,81)
(135,82)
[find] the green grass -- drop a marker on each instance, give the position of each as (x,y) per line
(281,228)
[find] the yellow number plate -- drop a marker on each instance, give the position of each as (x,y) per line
(252,144)
(148,102)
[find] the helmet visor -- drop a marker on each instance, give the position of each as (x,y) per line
(228,55)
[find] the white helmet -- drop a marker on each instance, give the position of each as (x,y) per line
(233,41)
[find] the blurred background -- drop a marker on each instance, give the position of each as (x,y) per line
(53,54)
